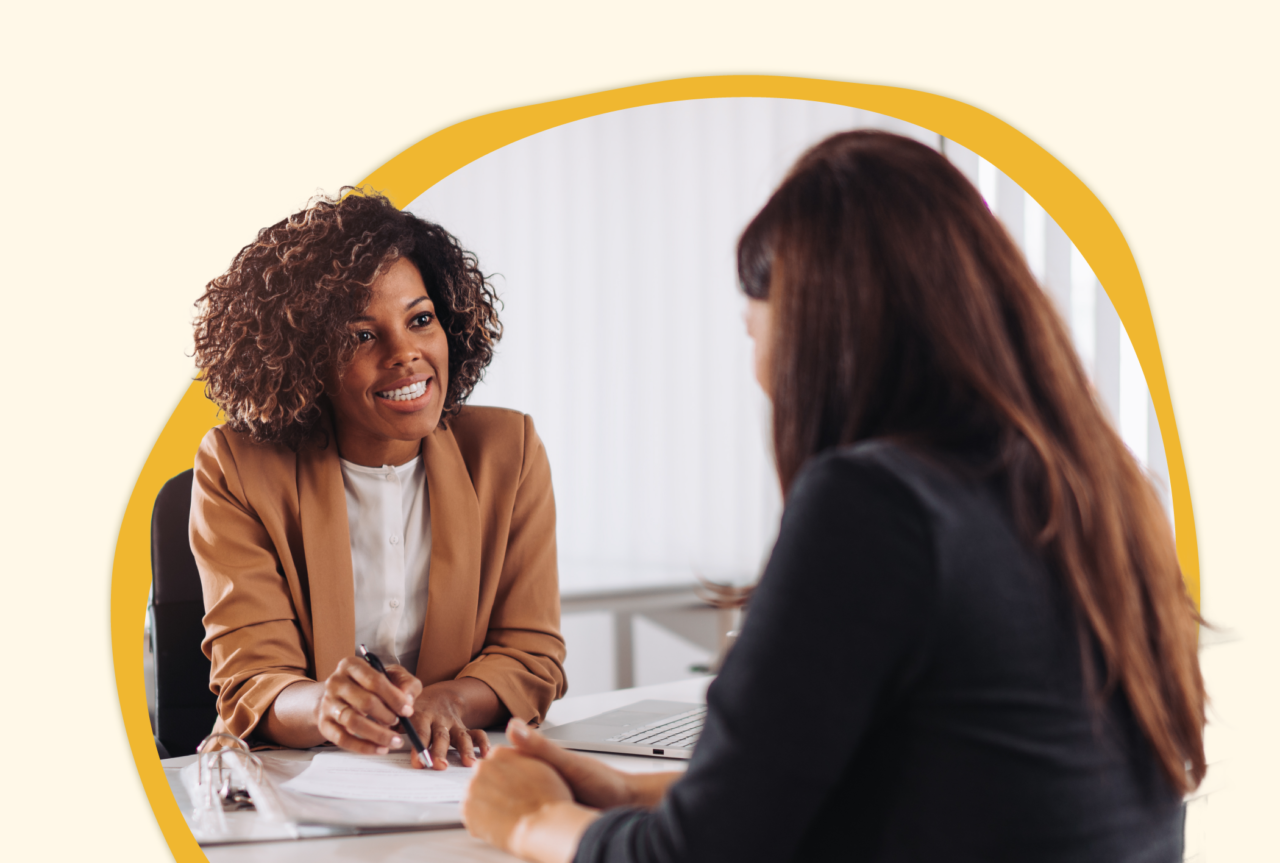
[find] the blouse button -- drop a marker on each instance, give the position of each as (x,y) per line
(394,540)
(395,603)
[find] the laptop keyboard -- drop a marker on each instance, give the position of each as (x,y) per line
(674,732)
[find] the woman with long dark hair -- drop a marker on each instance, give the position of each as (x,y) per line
(972,636)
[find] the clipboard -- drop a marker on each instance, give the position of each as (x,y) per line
(230,795)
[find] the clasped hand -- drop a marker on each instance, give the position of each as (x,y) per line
(536,799)
(360,707)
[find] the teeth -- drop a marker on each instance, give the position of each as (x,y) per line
(405,394)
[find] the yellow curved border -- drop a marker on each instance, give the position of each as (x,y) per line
(1061,193)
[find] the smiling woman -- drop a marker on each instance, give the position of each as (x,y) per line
(391,394)
(351,497)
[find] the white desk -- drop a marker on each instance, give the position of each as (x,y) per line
(449,844)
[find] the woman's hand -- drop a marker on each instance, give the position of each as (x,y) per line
(521,805)
(452,712)
(359,706)
(593,782)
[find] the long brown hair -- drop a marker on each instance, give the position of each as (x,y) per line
(902,309)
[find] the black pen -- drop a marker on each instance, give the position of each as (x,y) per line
(414,740)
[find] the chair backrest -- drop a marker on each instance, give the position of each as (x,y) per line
(185,708)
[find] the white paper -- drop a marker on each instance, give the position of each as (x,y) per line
(380,777)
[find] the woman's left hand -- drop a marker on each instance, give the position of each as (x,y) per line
(447,714)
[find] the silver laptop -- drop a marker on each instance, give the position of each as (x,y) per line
(668,729)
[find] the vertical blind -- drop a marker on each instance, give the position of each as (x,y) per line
(611,244)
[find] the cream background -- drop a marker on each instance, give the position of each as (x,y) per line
(145,144)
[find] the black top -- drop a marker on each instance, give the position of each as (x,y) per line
(907,687)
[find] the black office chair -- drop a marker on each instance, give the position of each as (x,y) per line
(185,708)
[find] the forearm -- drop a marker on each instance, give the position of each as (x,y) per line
(291,720)
(478,705)
(551,834)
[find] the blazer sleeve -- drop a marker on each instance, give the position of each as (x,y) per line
(523,655)
(252,636)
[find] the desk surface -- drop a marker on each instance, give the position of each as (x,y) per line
(450,844)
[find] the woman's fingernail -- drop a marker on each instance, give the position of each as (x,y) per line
(382,750)
(407,710)
(518,729)
(395,742)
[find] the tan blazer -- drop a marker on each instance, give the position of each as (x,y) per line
(269,533)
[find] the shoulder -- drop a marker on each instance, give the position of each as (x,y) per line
(862,501)
(913,481)
(873,472)
(853,532)
(486,424)
(223,442)
(493,432)
(889,492)
(233,458)
(496,437)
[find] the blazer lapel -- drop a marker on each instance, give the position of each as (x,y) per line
(453,585)
(326,542)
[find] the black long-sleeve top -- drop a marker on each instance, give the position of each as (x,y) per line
(906,687)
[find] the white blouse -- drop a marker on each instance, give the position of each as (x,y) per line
(389,517)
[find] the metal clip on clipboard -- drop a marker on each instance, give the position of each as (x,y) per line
(227,777)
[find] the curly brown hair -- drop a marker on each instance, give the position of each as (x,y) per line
(271,333)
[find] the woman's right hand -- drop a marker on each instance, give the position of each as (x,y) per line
(359,706)
(593,782)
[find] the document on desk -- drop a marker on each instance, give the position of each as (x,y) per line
(349,776)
